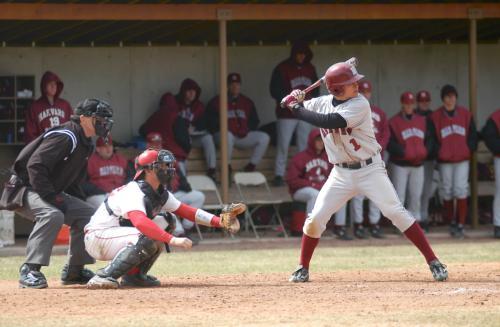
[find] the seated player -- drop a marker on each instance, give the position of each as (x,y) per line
(106,171)
(122,231)
(344,117)
(306,174)
(242,123)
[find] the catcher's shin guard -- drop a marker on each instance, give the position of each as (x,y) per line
(131,256)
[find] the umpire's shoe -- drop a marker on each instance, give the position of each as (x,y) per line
(31,277)
(98,283)
(439,271)
(73,274)
(139,280)
(301,275)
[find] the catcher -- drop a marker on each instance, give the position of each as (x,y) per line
(123,231)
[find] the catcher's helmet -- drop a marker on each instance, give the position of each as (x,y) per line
(423,96)
(162,161)
(364,86)
(407,98)
(339,75)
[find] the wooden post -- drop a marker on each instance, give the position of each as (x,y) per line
(222,16)
(474,14)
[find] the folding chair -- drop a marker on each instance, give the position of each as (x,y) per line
(249,184)
(206,185)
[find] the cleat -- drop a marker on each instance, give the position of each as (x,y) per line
(139,280)
(301,275)
(459,232)
(439,271)
(102,283)
(376,231)
(31,278)
(497,232)
(360,232)
(278,181)
(75,275)
(341,234)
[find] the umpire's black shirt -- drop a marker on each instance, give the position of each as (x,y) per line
(56,161)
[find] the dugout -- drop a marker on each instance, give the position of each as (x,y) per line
(130,52)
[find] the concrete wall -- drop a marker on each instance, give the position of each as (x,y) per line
(133,79)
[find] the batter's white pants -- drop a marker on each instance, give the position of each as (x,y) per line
(431,182)
(257,140)
(342,184)
(195,199)
(309,195)
(206,141)
(356,210)
(409,181)
(496,201)
(454,180)
(96,200)
(104,244)
(284,132)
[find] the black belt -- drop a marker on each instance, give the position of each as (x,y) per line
(355,165)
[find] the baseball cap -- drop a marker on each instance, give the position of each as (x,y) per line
(154,139)
(233,78)
(407,98)
(101,142)
(364,86)
(423,96)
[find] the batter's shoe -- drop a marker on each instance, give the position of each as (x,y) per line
(497,232)
(101,283)
(30,278)
(301,275)
(139,280)
(359,232)
(376,231)
(439,271)
(72,274)
(341,234)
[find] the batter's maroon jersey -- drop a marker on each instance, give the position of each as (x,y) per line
(107,174)
(288,76)
(42,115)
(307,168)
(452,134)
(380,126)
(409,132)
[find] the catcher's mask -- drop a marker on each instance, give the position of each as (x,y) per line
(162,162)
(101,111)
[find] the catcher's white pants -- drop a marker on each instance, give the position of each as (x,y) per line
(104,244)
(496,201)
(342,184)
(454,180)
(356,210)
(409,183)
(195,199)
(309,195)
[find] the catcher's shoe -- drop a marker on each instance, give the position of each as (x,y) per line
(31,278)
(139,280)
(341,234)
(359,232)
(439,271)
(97,282)
(376,231)
(301,275)
(75,275)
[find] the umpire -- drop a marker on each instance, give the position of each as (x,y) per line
(45,173)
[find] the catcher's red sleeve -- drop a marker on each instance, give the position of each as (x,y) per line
(147,227)
(197,215)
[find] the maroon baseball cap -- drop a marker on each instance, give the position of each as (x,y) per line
(407,98)
(101,142)
(154,139)
(423,96)
(364,86)
(233,78)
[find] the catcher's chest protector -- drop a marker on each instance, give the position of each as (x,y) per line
(153,200)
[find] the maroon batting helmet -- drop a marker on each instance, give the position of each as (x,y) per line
(339,75)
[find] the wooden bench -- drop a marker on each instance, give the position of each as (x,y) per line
(485,188)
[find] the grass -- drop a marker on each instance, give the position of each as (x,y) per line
(284,260)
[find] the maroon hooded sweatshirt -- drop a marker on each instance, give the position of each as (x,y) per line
(289,75)
(42,115)
(307,168)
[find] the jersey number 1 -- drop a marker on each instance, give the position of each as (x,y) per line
(355,144)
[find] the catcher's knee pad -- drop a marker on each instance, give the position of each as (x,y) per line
(313,227)
(131,256)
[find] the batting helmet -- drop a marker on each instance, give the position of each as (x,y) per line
(161,161)
(339,75)
(423,96)
(407,98)
(364,86)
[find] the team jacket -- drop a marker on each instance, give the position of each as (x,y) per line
(42,115)
(380,126)
(491,133)
(56,161)
(104,175)
(241,114)
(455,134)
(173,119)
(288,76)
(410,140)
(307,168)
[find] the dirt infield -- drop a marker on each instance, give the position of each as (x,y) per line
(377,297)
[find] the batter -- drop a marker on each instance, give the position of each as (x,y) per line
(345,120)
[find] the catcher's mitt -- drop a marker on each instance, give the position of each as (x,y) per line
(228,217)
